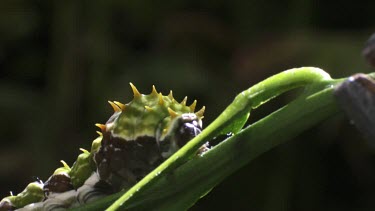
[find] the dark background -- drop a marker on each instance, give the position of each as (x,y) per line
(60,61)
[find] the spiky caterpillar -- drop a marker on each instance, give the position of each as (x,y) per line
(137,138)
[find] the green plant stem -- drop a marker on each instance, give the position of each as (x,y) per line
(226,122)
(200,174)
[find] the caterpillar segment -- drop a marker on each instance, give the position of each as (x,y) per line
(32,193)
(59,181)
(143,135)
(137,138)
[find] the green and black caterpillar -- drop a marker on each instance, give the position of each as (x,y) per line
(137,138)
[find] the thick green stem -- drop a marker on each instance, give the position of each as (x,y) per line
(196,177)
(226,122)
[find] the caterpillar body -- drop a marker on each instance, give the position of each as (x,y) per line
(137,138)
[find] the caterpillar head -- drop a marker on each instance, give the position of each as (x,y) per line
(143,133)
(179,131)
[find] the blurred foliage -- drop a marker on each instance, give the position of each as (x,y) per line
(60,61)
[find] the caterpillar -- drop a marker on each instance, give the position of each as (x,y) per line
(137,138)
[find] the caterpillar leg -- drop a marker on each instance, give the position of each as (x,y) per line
(93,189)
